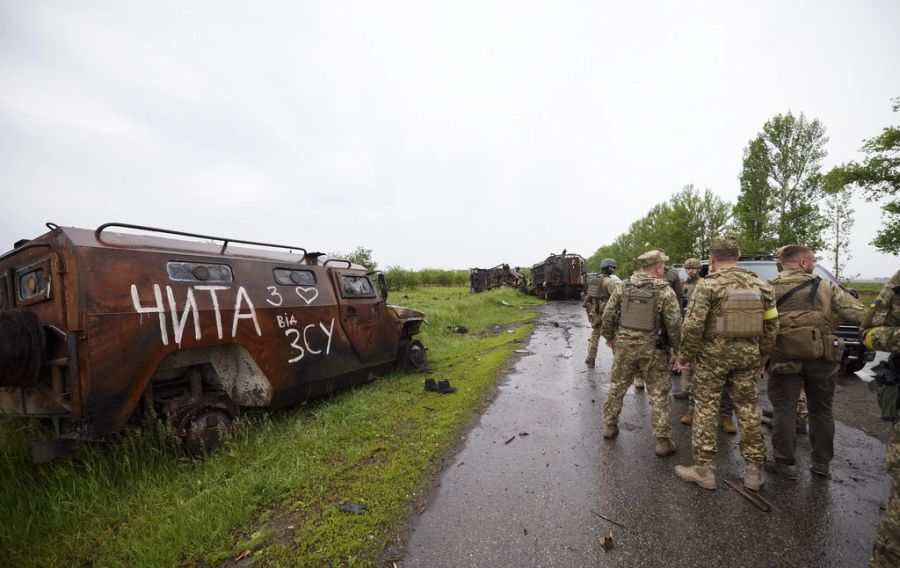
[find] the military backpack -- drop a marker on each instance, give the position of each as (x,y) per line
(805,322)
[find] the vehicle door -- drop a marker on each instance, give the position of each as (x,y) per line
(364,317)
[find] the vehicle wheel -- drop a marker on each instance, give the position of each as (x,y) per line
(415,357)
(854,365)
(202,426)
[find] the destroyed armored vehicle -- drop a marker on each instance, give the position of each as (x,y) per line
(98,327)
(559,277)
(479,279)
(499,276)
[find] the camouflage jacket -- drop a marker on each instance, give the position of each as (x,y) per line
(881,322)
(736,353)
(596,305)
(667,308)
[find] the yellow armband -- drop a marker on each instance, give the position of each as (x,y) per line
(867,338)
(770,314)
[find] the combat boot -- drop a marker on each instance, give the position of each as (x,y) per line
(665,447)
(702,475)
(688,418)
(753,477)
(728,425)
(610,431)
(639,383)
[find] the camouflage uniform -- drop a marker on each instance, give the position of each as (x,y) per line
(594,307)
(637,353)
(882,332)
(726,407)
(819,306)
(721,361)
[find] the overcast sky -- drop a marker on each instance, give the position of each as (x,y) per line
(444,134)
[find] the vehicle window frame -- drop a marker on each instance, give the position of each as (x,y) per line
(45,294)
(192,277)
(354,296)
(289,282)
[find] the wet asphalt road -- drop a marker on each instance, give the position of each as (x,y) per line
(532,501)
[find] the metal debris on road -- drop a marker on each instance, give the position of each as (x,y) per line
(510,440)
(755,498)
(605,518)
(606,541)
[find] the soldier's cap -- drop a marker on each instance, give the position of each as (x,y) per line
(692,263)
(608,262)
(723,242)
(651,257)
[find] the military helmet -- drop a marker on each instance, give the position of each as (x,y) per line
(608,263)
(693,263)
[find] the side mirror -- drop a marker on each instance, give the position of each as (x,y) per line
(853,292)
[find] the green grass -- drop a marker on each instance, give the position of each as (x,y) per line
(276,487)
(867,291)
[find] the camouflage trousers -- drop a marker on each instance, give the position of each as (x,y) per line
(709,380)
(594,341)
(886,551)
(641,360)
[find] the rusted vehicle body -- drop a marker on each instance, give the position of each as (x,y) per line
(479,279)
(99,325)
(489,278)
(503,275)
(559,277)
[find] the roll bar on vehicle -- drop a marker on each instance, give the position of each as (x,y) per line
(225,241)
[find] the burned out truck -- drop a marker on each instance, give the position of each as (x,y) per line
(482,279)
(98,327)
(559,277)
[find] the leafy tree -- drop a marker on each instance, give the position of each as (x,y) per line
(839,214)
(879,175)
(781,185)
(360,255)
(752,212)
(682,226)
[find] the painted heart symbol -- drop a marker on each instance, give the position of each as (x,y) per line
(308,295)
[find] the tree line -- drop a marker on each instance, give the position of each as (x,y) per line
(785,197)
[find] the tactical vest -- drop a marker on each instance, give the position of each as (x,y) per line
(638,308)
(597,288)
(739,315)
(805,322)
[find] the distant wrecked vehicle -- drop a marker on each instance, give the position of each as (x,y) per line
(559,276)
(99,326)
(502,275)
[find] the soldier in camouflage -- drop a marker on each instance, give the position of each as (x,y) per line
(728,335)
(671,276)
(641,323)
(881,332)
(807,356)
(692,266)
(599,290)
(726,408)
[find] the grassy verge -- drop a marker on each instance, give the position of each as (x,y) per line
(867,291)
(272,495)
